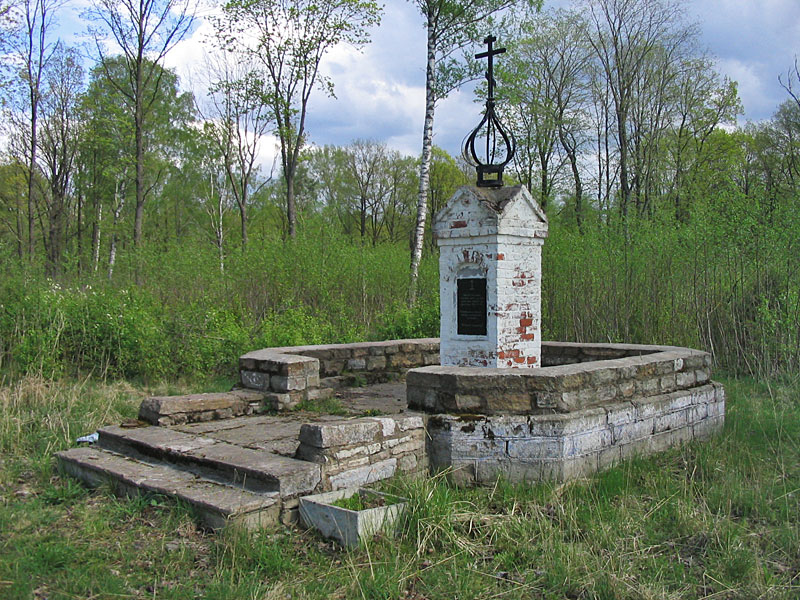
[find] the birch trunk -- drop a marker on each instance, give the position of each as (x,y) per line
(424,167)
(96,236)
(112,252)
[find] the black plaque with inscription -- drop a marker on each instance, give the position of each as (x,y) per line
(471,306)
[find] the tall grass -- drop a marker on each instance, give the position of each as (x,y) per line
(719,519)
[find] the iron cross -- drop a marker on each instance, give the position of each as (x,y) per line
(490,53)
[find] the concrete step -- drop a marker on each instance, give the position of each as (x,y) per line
(215,504)
(249,469)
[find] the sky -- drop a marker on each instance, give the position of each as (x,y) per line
(380,90)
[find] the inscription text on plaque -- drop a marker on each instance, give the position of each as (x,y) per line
(471,306)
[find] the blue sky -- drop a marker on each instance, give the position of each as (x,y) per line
(380,90)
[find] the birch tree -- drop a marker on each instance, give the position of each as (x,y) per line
(450,27)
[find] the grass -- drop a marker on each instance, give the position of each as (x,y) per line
(717,520)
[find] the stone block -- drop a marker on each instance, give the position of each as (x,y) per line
(504,426)
(283,401)
(319,393)
(698,413)
(407,463)
(620,414)
(716,409)
(708,427)
(350,463)
(685,379)
(626,389)
(647,408)
(634,448)
(388,425)
(590,442)
(625,434)
(664,440)
(670,421)
(411,422)
(395,441)
(694,360)
(580,466)
(363,475)
(647,387)
(333,367)
(376,363)
(287,383)
(356,364)
(536,448)
(409,447)
(608,457)
(667,383)
(468,403)
(546,399)
(702,376)
(348,453)
(254,380)
(328,435)
(430,358)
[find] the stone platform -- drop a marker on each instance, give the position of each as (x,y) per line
(247,456)
(252,469)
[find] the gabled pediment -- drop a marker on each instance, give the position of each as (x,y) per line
(480,211)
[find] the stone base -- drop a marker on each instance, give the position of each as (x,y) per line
(560,447)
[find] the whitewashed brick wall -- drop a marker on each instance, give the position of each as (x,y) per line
(496,235)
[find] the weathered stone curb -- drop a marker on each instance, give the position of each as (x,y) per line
(291,374)
(617,373)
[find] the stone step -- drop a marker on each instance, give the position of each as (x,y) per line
(215,504)
(194,408)
(246,468)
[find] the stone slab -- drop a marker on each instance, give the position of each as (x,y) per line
(216,504)
(252,469)
(169,410)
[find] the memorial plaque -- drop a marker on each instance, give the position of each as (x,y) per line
(471,306)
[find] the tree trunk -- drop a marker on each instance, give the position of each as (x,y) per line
(624,186)
(31,177)
(20,248)
(112,253)
(424,168)
(243,219)
(98,215)
(576,176)
(139,132)
(291,210)
(55,219)
(81,263)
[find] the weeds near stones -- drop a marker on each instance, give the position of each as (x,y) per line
(713,520)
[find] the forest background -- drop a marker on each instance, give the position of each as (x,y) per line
(140,238)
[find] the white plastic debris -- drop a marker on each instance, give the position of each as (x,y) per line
(88,439)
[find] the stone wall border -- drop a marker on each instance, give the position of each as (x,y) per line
(580,376)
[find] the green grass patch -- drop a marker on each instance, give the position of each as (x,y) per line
(719,519)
